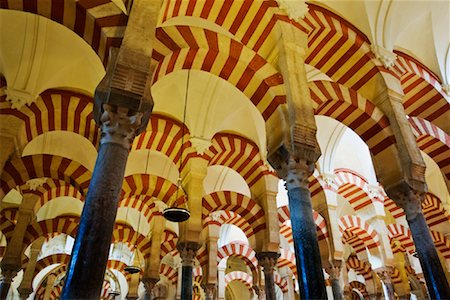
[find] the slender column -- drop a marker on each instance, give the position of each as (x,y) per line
(188,251)
(385,276)
(307,253)
(290,294)
(410,201)
(151,274)
(210,291)
(333,270)
(90,251)
(268,261)
(221,280)
(5,282)
(26,286)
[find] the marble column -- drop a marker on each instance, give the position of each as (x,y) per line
(307,253)
(90,251)
(410,201)
(385,276)
(188,251)
(210,290)
(5,282)
(268,261)
(333,270)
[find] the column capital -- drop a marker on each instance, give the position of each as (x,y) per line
(268,260)
(149,283)
(334,269)
(298,174)
(24,292)
(260,292)
(407,198)
(188,252)
(385,273)
(210,290)
(7,273)
(119,125)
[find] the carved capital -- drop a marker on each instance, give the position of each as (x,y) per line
(188,252)
(406,198)
(385,274)
(8,274)
(386,57)
(200,145)
(119,125)
(295,9)
(34,183)
(298,174)
(260,292)
(19,98)
(334,269)
(149,283)
(210,290)
(267,260)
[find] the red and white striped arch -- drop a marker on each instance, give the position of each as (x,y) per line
(354,188)
(424,96)
(62,224)
(400,233)
(240,204)
(153,186)
(433,210)
(442,243)
(433,141)
(52,189)
(347,57)
(240,276)
(359,228)
(17,172)
(56,110)
(359,286)
(100,23)
(395,211)
(169,272)
(57,258)
(281,282)
(197,274)
(353,240)
(286,229)
(252,23)
(359,266)
(239,154)
(287,259)
(229,217)
(165,135)
(143,204)
(126,234)
(10,214)
(200,49)
(244,252)
(169,244)
(350,108)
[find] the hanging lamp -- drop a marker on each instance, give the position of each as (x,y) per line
(174,213)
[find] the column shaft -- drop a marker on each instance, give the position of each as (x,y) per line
(336,288)
(4,289)
(90,251)
(186,282)
(437,284)
(307,253)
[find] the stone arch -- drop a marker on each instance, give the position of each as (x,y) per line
(17,172)
(244,252)
(363,231)
(287,259)
(354,188)
(401,234)
(240,276)
(77,16)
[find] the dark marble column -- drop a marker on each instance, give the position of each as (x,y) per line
(188,251)
(5,281)
(410,201)
(307,253)
(333,270)
(210,290)
(268,261)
